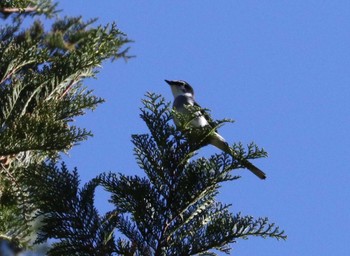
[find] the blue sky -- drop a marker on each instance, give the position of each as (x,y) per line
(280,69)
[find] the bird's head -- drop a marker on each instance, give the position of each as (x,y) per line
(180,87)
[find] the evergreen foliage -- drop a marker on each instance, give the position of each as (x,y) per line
(67,213)
(172,210)
(41,92)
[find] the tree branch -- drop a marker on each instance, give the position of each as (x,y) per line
(9,10)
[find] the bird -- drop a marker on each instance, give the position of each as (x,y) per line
(183,98)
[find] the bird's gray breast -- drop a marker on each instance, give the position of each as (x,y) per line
(196,119)
(181,101)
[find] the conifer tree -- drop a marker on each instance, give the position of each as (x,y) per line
(172,210)
(41,90)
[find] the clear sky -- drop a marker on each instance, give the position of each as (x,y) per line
(281,69)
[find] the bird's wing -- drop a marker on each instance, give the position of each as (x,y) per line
(206,115)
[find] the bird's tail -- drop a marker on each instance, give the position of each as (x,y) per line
(218,141)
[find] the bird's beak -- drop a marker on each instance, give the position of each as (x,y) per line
(169,82)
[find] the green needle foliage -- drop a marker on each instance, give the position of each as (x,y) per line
(172,210)
(42,71)
(67,213)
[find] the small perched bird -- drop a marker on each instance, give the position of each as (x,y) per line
(184,96)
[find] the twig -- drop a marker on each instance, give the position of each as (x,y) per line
(9,10)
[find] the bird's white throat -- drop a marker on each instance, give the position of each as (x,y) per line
(176,92)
